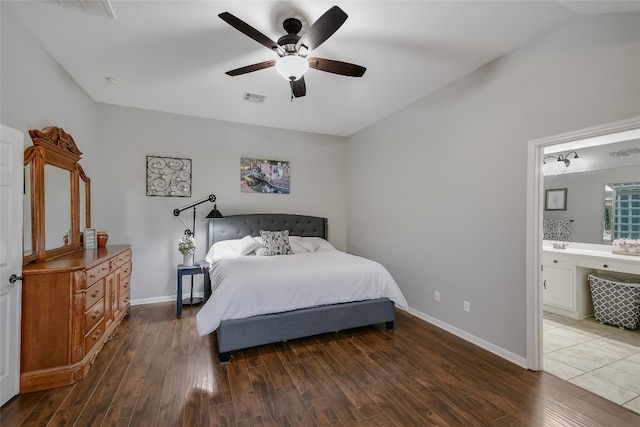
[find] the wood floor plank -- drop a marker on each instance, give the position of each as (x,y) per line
(295,409)
(222,415)
(126,396)
(157,371)
(345,375)
(46,408)
(277,371)
(172,405)
(146,410)
(16,410)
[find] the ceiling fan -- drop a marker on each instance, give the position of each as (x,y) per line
(293,49)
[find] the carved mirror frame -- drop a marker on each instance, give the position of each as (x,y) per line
(52,146)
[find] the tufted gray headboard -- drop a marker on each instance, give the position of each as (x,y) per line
(238,226)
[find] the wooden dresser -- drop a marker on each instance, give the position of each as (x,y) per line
(71,305)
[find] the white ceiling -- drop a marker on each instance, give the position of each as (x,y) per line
(171,56)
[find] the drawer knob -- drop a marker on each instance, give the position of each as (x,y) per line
(94,294)
(95,315)
(555,261)
(96,335)
(606,265)
(92,276)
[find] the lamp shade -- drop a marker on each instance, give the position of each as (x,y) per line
(554,167)
(215,213)
(292,67)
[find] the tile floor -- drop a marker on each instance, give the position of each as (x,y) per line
(603,359)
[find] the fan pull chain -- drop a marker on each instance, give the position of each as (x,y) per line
(291,86)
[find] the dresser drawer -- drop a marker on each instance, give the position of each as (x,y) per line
(98,272)
(125,298)
(94,293)
(93,336)
(124,257)
(125,284)
(126,269)
(94,315)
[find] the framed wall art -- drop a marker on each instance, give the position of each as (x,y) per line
(265,176)
(555,199)
(168,176)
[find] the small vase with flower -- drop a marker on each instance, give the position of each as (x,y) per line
(187,247)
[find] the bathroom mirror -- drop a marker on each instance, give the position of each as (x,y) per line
(603,164)
(56,203)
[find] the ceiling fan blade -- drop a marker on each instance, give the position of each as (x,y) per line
(336,67)
(321,30)
(251,68)
(248,30)
(298,87)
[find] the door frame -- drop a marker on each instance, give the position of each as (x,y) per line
(535,213)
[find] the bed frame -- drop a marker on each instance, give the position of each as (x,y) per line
(238,334)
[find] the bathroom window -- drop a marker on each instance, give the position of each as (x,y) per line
(627,214)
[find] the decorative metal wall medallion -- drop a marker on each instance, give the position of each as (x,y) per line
(168,176)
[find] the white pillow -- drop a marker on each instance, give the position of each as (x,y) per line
(310,244)
(246,245)
(313,244)
(222,249)
(296,247)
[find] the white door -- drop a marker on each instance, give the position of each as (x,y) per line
(11,191)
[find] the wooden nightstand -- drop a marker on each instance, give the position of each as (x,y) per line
(192,270)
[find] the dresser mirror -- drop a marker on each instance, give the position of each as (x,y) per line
(57,203)
(27,245)
(57,196)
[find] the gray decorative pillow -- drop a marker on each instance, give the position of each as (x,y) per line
(276,242)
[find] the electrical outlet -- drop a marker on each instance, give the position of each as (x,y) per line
(436,296)
(467,306)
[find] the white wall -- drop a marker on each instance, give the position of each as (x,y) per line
(37,92)
(446,210)
(120,205)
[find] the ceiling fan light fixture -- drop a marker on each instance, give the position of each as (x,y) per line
(292,67)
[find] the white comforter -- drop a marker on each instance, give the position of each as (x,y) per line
(252,285)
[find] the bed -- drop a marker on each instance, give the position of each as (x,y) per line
(238,329)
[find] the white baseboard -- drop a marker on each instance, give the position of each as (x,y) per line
(141,301)
(492,348)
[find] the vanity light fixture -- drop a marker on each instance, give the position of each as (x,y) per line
(554,165)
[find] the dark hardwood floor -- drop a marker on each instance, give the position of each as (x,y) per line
(157,371)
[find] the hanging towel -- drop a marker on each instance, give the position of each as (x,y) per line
(557,229)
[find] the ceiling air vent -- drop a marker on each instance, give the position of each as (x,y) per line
(254,97)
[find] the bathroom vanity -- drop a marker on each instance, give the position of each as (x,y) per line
(564,274)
